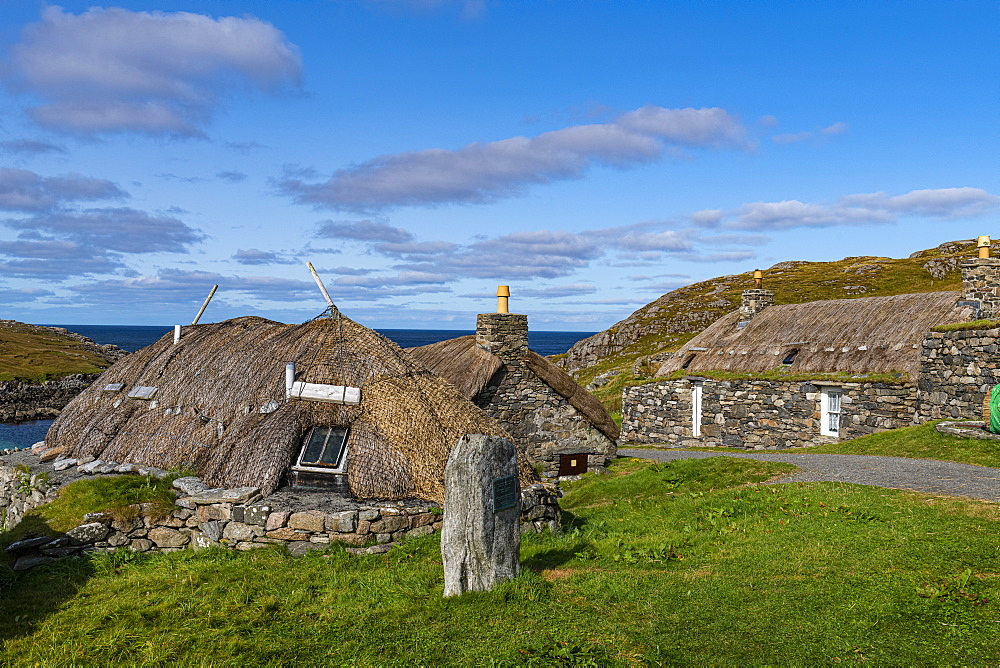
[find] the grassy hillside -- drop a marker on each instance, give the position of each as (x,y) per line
(627,352)
(32,353)
(687,563)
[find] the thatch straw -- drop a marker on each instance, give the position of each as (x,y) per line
(211,387)
(470,368)
(464,364)
(857,336)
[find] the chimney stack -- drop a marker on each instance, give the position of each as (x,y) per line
(503,334)
(755,300)
(981,282)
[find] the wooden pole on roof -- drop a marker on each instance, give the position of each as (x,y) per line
(322,288)
(205,305)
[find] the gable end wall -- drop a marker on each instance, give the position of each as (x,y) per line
(541,419)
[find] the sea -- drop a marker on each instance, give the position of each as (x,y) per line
(134,337)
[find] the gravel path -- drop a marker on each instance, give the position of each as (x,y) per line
(921,475)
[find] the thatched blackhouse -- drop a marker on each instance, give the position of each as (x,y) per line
(855,366)
(857,336)
(354,412)
(560,425)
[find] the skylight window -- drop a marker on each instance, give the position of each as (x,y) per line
(790,357)
(324,450)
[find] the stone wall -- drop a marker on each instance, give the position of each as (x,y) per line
(981,285)
(754,301)
(757,414)
(20,402)
(536,416)
(20,492)
(957,369)
(541,420)
(237,519)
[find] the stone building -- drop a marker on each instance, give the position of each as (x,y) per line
(561,426)
(860,366)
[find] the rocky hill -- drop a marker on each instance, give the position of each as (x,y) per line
(625,352)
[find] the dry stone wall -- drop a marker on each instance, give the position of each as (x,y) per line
(757,414)
(237,519)
(957,369)
(532,412)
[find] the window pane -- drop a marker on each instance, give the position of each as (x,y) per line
(325,447)
(835,402)
(313,451)
(834,422)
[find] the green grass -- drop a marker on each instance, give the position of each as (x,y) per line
(919,442)
(35,354)
(113,494)
(967,326)
(686,563)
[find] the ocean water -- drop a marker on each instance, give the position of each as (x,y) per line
(133,337)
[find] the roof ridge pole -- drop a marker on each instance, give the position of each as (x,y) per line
(322,288)
(205,305)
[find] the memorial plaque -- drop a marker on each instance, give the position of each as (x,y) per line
(504,492)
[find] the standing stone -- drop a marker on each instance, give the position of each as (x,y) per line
(480,545)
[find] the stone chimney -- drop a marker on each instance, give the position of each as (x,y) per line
(503,334)
(981,282)
(755,300)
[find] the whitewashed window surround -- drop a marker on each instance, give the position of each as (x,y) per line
(829,408)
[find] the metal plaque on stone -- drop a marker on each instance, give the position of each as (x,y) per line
(504,492)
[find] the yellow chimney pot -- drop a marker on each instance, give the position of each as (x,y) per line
(758,278)
(503,293)
(984,247)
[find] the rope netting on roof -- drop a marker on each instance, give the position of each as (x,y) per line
(220,407)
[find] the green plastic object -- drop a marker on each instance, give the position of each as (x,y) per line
(995,410)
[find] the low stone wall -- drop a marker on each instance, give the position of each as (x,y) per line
(957,369)
(21,491)
(236,519)
(20,402)
(758,414)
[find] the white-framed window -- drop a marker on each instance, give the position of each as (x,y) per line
(696,392)
(829,411)
(324,450)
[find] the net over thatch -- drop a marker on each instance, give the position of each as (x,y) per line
(220,408)
(470,368)
(857,336)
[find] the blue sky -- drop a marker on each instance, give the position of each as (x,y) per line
(592,155)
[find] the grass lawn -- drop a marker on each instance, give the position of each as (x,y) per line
(919,442)
(689,562)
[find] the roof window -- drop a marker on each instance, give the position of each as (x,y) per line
(324,450)
(687,362)
(790,356)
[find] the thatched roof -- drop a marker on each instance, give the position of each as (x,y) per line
(857,336)
(470,368)
(213,386)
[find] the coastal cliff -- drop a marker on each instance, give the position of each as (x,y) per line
(43,368)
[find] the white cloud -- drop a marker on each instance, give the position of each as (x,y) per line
(837,128)
(161,73)
(480,173)
(557,291)
(23,190)
(864,209)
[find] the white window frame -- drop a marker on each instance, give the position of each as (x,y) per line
(696,400)
(830,407)
(325,469)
